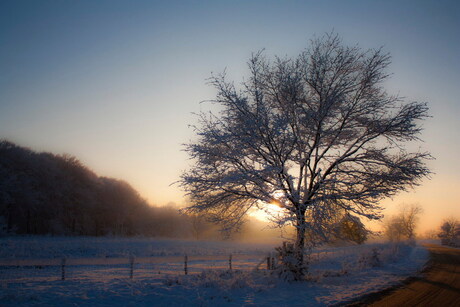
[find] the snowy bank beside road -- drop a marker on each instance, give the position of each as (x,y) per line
(407,261)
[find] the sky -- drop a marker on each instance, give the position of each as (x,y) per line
(116,83)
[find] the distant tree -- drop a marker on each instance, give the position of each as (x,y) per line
(310,132)
(402,225)
(410,216)
(431,234)
(199,225)
(450,232)
(352,229)
(341,226)
(393,229)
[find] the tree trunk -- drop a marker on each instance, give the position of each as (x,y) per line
(28,221)
(9,218)
(300,247)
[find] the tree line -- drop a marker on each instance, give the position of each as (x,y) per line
(45,193)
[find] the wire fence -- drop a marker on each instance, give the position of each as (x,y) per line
(97,269)
(23,270)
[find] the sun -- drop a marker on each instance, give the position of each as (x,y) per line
(270,210)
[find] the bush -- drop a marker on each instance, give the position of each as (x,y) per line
(370,259)
(286,267)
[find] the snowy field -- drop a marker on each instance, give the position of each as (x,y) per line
(75,247)
(97,273)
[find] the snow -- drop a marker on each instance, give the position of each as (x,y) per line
(336,274)
(75,247)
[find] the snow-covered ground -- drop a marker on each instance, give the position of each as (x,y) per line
(336,274)
(75,247)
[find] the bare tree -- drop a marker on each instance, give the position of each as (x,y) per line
(450,232)
(351,228)
(403,224)
(310,133)
(393,228)
(410,215)
(431,234)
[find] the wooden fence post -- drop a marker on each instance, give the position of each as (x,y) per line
(185,265)
(131,266)
(270,261)
(63,269)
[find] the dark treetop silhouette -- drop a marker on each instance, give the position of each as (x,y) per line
(43,193)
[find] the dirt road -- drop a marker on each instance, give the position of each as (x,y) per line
(439,285)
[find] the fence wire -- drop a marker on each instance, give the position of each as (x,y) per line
(91,269)
(104,269)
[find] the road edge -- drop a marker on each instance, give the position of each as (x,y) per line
(375,296)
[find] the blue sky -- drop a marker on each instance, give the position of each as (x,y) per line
(115,83)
